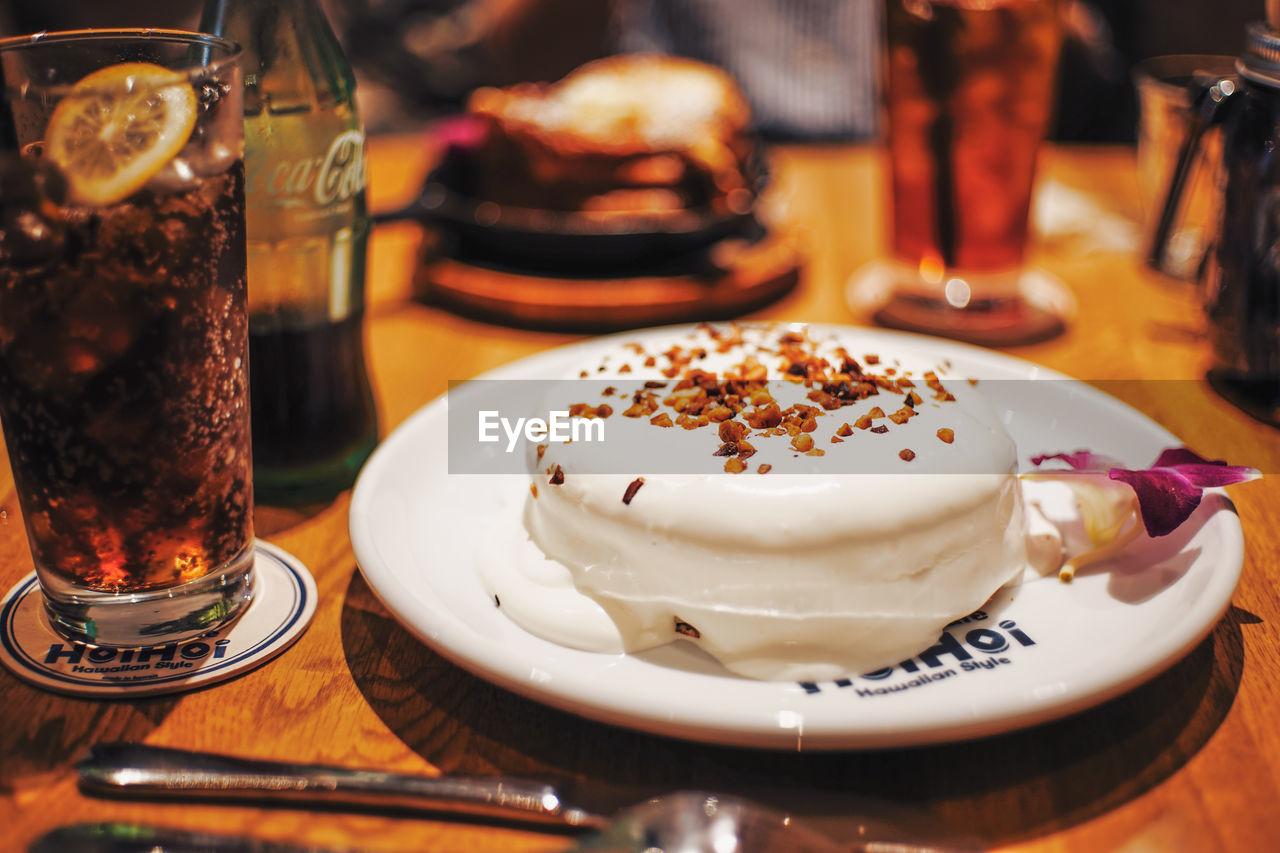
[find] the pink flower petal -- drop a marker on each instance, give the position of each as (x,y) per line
(1081,460)
(1205,473)
(1165,499)
(1212,476)
(1169,491)
(1171,456)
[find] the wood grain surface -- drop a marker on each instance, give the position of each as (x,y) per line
(1189,761)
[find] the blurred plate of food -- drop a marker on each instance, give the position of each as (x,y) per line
(631,159)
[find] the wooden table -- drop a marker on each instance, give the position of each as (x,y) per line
(1190,761)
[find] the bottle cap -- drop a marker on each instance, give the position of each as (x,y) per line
(1261,60)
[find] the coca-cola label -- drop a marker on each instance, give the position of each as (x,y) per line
(332,178)
(342,172)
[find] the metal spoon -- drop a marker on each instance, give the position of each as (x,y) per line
(699,822)
(132,769)
(684,821)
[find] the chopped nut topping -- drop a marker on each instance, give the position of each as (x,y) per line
(689,422)
(764,468)
(947,435)
(684,629)
(557,476)
(903,415)
(939,392)
(582,410)
(632,489)
(751,370)
(642,405)
(738,402)
(533,487)
(906,455)
(764,418)
(825,400)
(542,448)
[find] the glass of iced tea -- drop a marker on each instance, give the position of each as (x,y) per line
(123,329)
(968,97)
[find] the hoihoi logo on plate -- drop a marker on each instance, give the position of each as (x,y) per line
(968,646)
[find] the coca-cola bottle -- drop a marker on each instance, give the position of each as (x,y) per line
(314,421)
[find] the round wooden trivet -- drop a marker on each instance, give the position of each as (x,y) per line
(728,280)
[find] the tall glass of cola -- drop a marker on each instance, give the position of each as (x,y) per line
(123,329)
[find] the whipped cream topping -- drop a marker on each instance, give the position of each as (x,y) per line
(793,573)
(665,104)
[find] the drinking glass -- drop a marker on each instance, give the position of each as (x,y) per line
(968,99)
(1166,127)
(123,329)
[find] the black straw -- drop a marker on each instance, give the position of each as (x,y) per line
(939,74)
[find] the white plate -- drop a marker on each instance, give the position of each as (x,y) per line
(1044,649)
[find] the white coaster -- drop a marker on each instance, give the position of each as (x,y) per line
(284,601)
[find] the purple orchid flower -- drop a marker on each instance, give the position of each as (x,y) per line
(1169,491)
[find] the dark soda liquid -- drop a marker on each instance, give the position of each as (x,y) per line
(968,102)
(123,383)
(314,420)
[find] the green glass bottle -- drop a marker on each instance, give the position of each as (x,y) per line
(313,412)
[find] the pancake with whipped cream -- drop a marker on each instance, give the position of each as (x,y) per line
(798,509)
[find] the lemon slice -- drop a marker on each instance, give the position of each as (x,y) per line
(119,126)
